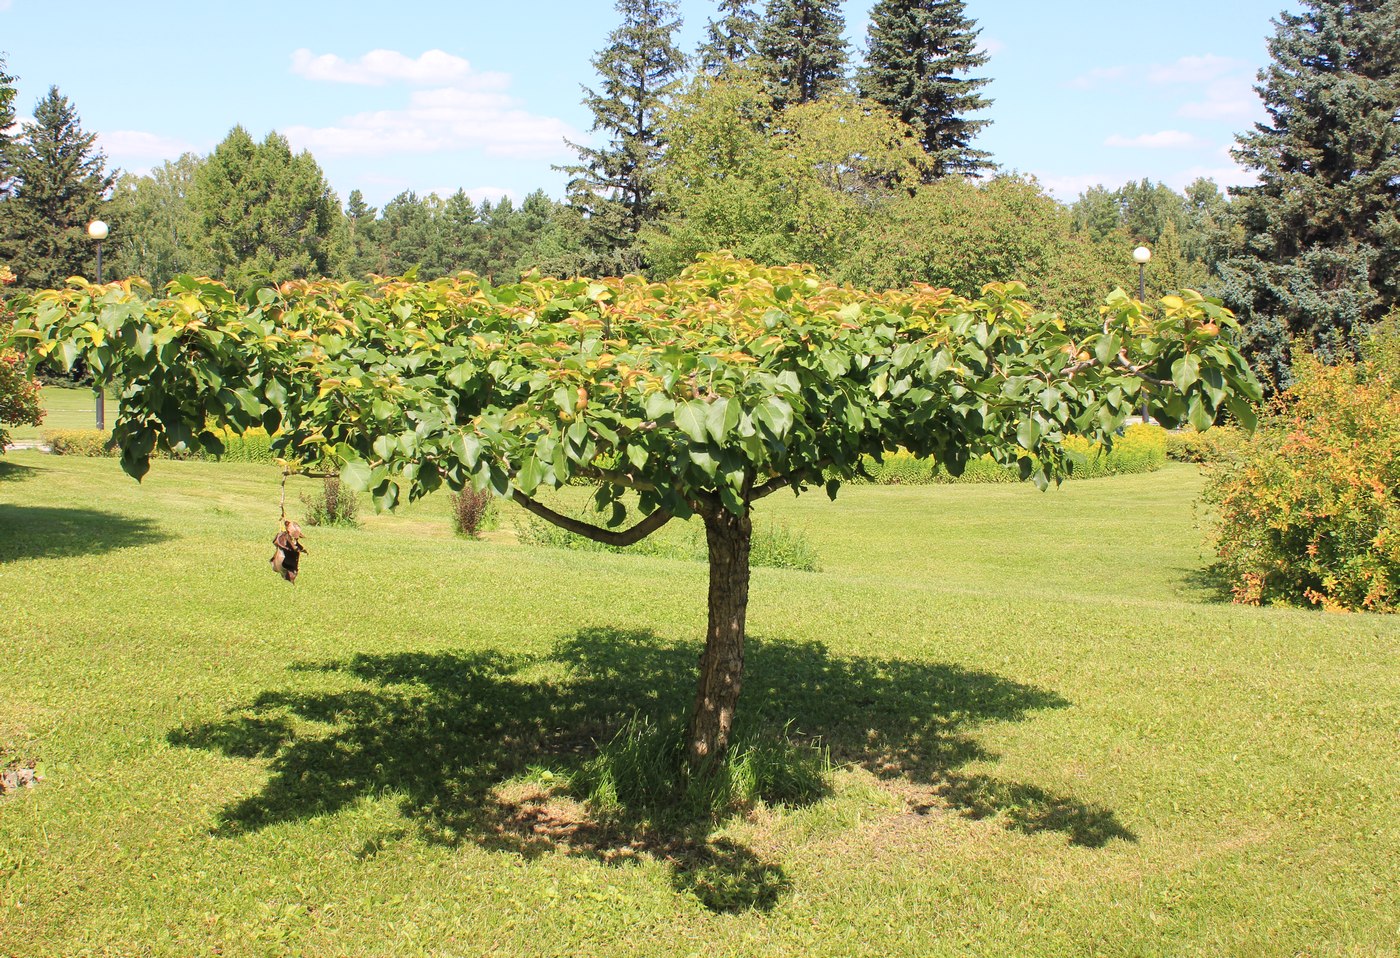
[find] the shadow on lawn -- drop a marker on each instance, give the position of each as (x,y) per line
(45,532)
(15,472)
(472,741)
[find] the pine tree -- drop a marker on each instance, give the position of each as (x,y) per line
(920,52)
(60,183)
(266,214)
(613,185)
(732,39)
(1320,255)
(801,53)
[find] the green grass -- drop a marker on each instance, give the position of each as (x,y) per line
(1051,737)
(66,409)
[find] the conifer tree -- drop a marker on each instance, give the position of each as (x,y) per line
(266,213)
(801,52)
(1321,230)
(7,120)
(612,185)
(920,52)
(60,183)
(730,40)
(360,227)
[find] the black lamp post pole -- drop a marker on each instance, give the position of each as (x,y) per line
(101,397)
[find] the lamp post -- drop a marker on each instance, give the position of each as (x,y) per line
(97,231)
(1140,256)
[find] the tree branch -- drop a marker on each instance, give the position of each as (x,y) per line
(624,538)
(782,482)
(613,477)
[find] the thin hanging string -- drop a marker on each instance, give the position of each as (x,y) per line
(282,502)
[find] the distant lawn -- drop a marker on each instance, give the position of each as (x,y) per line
(1053,738)
(66,409)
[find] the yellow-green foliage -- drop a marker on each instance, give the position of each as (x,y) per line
(252,446)
(1308,512)
(1139,449)
(80,442)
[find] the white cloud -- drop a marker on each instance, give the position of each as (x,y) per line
(138,144)
(1163,140)
(462,110)
(1194,69)
(1229,98)
(438,121)
(1097,76)
(5,5)
(1232,175)
(379,67)
(991,46)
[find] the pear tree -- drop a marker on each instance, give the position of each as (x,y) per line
(692,398)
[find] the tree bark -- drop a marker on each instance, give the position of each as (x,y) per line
(722,663)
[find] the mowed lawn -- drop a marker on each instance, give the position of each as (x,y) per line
(66,409)
(1052,737)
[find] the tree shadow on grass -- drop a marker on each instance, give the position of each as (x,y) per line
(45,532)
(479,746)
(1209,584)
(15,472)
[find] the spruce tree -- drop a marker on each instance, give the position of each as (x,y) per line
(730,40)
(801,53)
(1320,258)
(60,183)
(612,185)
(920,52)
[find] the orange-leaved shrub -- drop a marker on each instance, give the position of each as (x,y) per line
(1309,512)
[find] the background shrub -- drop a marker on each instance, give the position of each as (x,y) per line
(1308,511)
(473,512)
(255,445)
(334,505)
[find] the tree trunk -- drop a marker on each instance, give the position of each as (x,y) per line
(722,662)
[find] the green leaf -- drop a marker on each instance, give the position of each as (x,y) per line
(385,446)
(690,419)
(637,455)
(776,415)
(1243,411)
(1186,371)
(721,418)
(468,449)
(659,404)
(1107,347)
(1199,415)
(356,475)
(1028,434)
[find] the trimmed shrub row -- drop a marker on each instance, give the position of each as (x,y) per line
(1140,449)
(252,446)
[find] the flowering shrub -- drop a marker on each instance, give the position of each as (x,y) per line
(19,393)
(1310,511)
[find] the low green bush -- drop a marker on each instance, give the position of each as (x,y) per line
(1307,512)
(1218,444)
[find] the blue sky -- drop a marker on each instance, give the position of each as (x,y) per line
(433,96)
